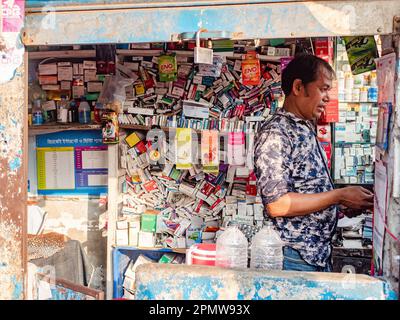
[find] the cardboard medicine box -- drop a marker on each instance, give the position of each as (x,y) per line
(148,222)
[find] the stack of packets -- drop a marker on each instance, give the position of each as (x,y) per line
(236,93)
(177,203)
(130,272)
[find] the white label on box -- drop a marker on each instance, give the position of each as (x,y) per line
(75,68)
(90,75)
(124,224)
(121,237)
(146,239)
(144,111)
(249,210)
(238,65)
(147,64)
(134,66)
(80,69)
(89,64)
(51,87)
(133,236)
(197,79)
(196,112)
(64,64)
(94,86)
(180,242)
(47,69)
(65,73)
(242,208)
(179,92)
(65,85)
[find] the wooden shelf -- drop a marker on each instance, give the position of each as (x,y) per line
(56,127)
(188,53)
(167,129)
(38,55)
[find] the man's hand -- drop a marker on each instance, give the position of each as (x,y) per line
(356,198)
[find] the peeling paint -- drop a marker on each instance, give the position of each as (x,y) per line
(267,20)
(177,282)
(12,180)
(11,283)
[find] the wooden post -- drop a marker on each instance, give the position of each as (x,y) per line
(13,185)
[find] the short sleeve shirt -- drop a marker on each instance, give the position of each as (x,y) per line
(289,158)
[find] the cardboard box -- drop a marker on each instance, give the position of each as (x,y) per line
(48,80)
(51,87)
(148,222)
(121,237)
(64,73)
(47,69)
(90,75)
(94,86)
(146,239)
(65,85)
(78,91)
(133,235)
(89,65)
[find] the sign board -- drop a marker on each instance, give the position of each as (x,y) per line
(72,162)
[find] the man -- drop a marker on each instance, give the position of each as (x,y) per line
(292,174)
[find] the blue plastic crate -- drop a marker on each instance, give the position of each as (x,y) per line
(121,258)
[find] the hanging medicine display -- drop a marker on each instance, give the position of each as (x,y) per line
(167,68)
(251,69)
(110,128)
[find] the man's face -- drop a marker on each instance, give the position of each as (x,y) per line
(314,96)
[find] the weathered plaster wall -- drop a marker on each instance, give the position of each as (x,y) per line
(183,282)
(78,218)
(12,187)
(391,258)
(262,20)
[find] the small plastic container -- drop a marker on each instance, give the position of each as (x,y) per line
(84,112)
(37,113)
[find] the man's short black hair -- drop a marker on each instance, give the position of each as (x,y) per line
(304,67)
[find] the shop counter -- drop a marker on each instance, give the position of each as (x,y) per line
(183,282)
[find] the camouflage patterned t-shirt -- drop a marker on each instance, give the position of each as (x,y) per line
(288,158)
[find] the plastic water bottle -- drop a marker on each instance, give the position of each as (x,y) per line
(37,113)
(62,110)
(232,249)
(84,112)
(266,249)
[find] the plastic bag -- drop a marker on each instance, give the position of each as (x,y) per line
(113,93)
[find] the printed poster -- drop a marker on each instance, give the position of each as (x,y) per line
(380,203)
(72,162)
(386,69)
(361,52)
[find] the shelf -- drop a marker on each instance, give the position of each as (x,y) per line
(339,144)
(353,184)
(37,55)
(371,102)
(188,53)
(173,129)
(55,127)
(177,250)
